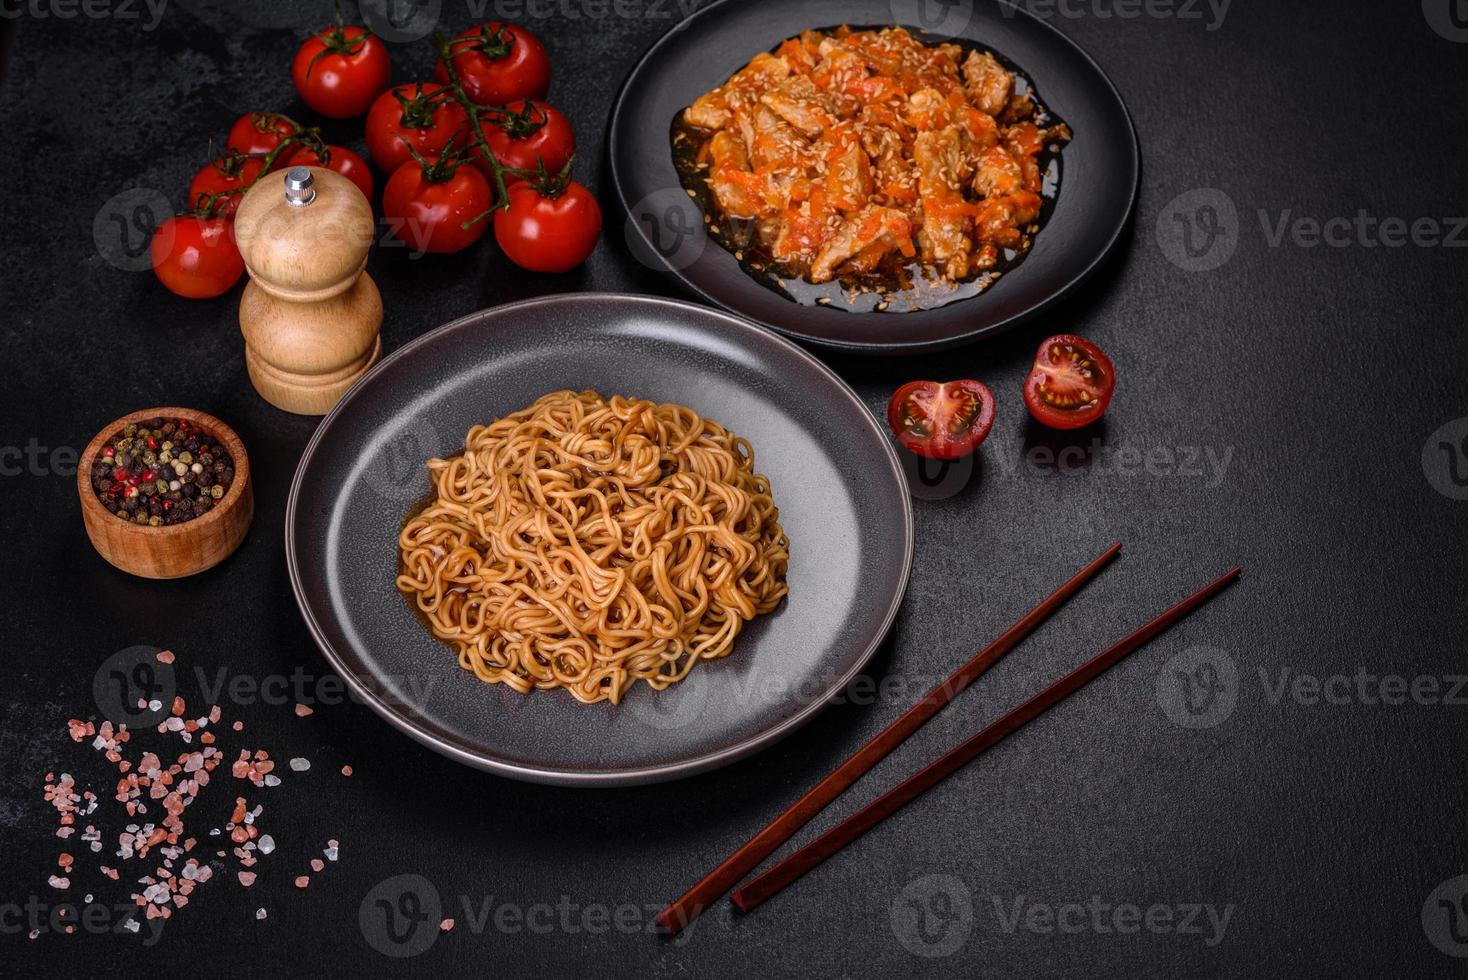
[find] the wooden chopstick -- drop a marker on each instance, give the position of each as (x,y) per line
(677,916)
(797,864)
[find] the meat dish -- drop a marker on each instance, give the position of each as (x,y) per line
(871,159)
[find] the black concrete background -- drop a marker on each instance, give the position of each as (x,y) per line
(1289,402)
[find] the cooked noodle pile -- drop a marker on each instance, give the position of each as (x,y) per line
(587,543)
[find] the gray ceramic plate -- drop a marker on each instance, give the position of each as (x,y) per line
(842,498)
(1099,169)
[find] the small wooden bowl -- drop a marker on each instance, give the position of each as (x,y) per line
(173,550)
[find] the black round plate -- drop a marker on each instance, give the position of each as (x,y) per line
(1100,167)
(843,502)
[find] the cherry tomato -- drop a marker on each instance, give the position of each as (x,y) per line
(340,159)
(498,63)
(548,234)
(229,177)
(402,117)
(340,70)
(532,131)
(427,208)
(260,132)
(196,257)
(941,421)
(1070,384)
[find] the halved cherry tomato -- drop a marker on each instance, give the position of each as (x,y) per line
(531,131)
(404,116)
(340,70)
(427,208)
(340,159)
(260,132)
(497,64)
(1070,384)
(196,257)
(548,234)
(228,176)
(941,421)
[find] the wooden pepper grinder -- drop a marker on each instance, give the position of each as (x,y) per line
(310,315)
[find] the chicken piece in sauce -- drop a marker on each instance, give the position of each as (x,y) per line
(854,152)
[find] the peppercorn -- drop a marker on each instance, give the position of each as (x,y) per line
(160,472)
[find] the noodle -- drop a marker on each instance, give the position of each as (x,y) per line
(586,543)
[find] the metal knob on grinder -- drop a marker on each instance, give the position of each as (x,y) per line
(300,188)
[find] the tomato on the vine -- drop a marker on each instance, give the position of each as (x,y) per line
(498,63)
(412,115)
(547,231)
(427,207)
(941,421)
(196,257)
(340,70)
(340,159)
(1070,384)
(259,133)
(224,178)
(531,134)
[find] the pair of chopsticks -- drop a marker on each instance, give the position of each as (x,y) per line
(677,916)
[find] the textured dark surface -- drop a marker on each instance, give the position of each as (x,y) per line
(830,471)
(1320,374)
